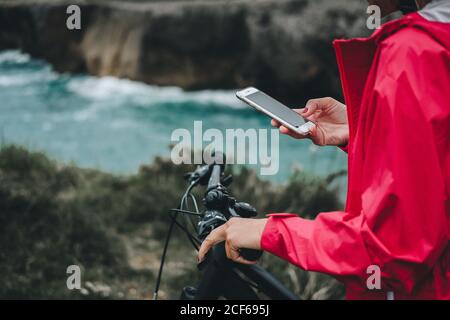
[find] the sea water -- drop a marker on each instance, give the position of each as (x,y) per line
(116,124)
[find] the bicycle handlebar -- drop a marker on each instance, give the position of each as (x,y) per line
(220,207)
(214,179)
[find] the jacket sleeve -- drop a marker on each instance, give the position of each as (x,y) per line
(402,225)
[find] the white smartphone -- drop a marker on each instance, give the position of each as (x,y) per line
(275,110)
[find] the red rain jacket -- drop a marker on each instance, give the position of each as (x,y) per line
(397,91)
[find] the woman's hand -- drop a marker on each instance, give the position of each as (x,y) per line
(330,117)
(238,233)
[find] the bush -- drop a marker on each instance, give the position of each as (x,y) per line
(44,229)
(53,216)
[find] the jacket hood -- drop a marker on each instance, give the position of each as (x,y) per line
(437,30)
(437,10)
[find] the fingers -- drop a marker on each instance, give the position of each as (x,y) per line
(318,104)
(234,254)
(310,108)
(287,131)
(275,123)
(312,112)
(291,133)
(216,236)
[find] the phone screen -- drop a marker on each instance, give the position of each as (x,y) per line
(276,108)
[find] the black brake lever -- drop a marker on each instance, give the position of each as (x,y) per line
(226,182)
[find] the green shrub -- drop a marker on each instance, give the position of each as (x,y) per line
(43,230)
(53,216)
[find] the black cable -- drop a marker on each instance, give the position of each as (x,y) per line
(189,219)
(163,258)
(192,213)
(191,238)
(166,244)
(194,241)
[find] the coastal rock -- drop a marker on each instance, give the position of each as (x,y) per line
(281,46)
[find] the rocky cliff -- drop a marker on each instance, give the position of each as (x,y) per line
(282,46)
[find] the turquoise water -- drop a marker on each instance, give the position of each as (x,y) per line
(116,124)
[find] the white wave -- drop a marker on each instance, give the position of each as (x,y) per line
(114,91)
(110,88)
(12,80)
(105,88)
(14,56)
(21,77)
(221,97)
(18,79)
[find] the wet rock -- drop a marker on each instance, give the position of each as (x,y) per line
(281,46)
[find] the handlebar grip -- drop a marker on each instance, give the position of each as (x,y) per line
(250,254)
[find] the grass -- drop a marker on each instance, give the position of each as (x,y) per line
(53,216)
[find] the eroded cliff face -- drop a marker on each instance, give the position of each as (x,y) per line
(282,46)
